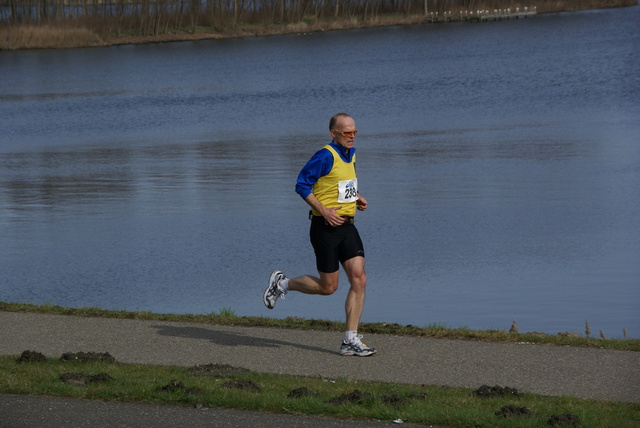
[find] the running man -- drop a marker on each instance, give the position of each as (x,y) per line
(328,183)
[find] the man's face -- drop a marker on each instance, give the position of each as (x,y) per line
(344,125)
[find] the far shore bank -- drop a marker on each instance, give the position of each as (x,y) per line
(301,28)
(65,35)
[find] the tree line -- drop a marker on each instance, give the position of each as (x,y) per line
(143,17)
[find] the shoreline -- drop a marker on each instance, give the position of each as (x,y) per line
(29,37)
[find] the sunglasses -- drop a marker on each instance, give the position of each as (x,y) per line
(347,133)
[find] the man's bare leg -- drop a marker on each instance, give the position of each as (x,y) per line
(354,304)
(352,345)
(327,283)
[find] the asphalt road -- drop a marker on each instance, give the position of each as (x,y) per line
(596,374)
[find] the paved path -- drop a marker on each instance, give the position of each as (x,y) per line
(589,373)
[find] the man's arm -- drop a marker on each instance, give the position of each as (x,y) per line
(320,164)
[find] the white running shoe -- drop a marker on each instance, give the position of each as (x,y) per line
(273,290)
(356,348)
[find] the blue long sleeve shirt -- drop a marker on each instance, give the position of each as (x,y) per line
(319,165)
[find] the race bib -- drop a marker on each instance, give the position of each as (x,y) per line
(348,190)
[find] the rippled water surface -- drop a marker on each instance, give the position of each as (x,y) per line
(500,161)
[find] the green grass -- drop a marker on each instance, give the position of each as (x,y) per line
(227,317)
(440,406)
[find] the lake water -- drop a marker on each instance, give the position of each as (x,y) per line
(501,162)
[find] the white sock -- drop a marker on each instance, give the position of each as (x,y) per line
(349,335)
(284,285)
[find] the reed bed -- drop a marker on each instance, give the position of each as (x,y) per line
(47,37)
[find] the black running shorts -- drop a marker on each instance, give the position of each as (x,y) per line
(334,245)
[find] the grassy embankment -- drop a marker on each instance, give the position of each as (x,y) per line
(76,31)
(223,386)
(338,398)
(227,317)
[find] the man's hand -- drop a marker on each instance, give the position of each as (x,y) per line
(361,203)
(331,217)
(329,214)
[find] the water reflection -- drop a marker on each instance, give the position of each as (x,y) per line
(202,175)
(50,179)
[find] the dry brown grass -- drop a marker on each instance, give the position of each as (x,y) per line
(46,37)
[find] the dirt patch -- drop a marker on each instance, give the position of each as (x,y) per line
(563,420)
(393,399)
(31,357)
(418,395)
(175,385)
(83,357)
(301,392)
(397,400)
(216,370)
(321,323)
(511,411)
(486,391)
(245,385)
(356,396)
(83,379)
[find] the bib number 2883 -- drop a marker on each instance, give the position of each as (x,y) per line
(348,191)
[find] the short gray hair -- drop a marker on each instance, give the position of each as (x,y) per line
(334,119)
